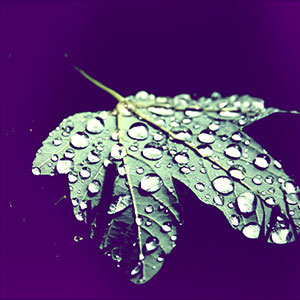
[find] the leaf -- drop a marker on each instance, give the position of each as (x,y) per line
(153,140)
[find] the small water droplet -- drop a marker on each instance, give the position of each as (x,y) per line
(69,153)
(214,126)
(185,170)
(206,136)
(205,150)
(269,179)
(223,185)
(246,202)
(72,177)
(152,151)
(94,187)
(151,183)
(262,161)
(95,125)
(94,156)
(237,172)
(181,158)
(200,186)
(149,209)
(270,201)
(57,141)
(251,231)
(166,227)
(85,172)
(54,157)
(117,152)
(219,200)
(140,170)
(36,171)
(139,221)
(233,151)
(79,140)
(151,244)
(135,270)
(277,164)
(158,137)
(138,131)
(74,201)
(79,216)
(237,136)
(235,221)
(257,179)
(182,133)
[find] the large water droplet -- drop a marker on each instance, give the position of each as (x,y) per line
(291,199)
(95,125)
(246,202)
(289,187)
(79,140)
(64,166)
(161,111)
(151,183)
(85,172)
(237,172)
(94,157)
(192,113)
(262,161)
(233,151)
(205,150)
(36,171)
(237,136)
(251,231)
(152,151)
(152,244)
(181,158)
(223,185)
(206,136)
(138,131)
(94,187)
(281,236)
(117,151)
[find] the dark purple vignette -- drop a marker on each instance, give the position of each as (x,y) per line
(165,48)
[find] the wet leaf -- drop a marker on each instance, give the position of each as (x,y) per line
(153,140)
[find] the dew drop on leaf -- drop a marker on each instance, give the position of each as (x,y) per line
(36,171)
(161,111)
(237,172)
(64,166)
(205,150)
(166,227)
(261,161)
(79,140)
(233,151)
(152,244)
(223,185)
(117,152)
(95,125)
(149,209)
(219,200)
(94,187)
(69,153)
(72,177)
(85,172)
(281,236)
(57,141)
(93,157)
(246,202)
(206,136)
(251,231)
(151,183)
(152,151)
(181,158)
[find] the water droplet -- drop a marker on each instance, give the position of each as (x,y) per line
(151,183)
(205,150)
(277,164)
(262,161)
(269,179)
(230,114)
(270,201)
(182,133)
(289,187)
(149,209)
(148,223)
(185,170)
(36,171)
(85,172)
(246,202)
(139,221)
(291,199)
(138,131)
(94,187)
(161,111)
(214,126)
(152,151)
(64,166)
(251,231)
(115,135)
(230,205)
(219,200)
(192,113)
(223,185)
(79,140)
(121,170)
(151,244)
(281,236)
(206,136)
(54,157)
(94,156)
(181,158)
(79,216)
(74,201)
(95,125)
(237,172)
(166,227)
(199,186)
(57,141)
(117,152)
(233,151)
(83,204)
(72,177)
(237,136)
(235,221)
(133,148)
(257,179)
(158,137)
(69,153)
(140,170)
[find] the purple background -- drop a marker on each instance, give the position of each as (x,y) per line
(163,47)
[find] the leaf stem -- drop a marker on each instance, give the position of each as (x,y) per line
(116,95)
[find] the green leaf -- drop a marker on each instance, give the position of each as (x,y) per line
(153,140)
